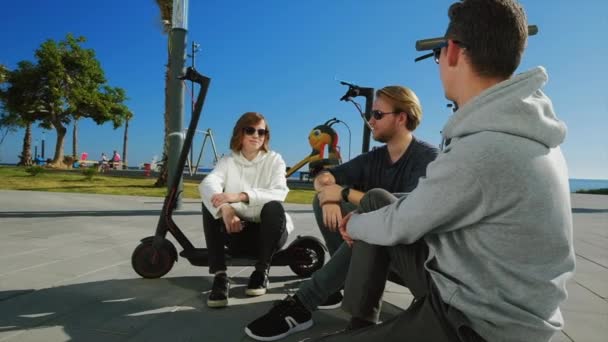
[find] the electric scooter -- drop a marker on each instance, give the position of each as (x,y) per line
(155,255)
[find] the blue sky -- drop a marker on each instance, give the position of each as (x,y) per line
(282,58)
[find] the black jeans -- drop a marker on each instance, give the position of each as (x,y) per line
(259,240)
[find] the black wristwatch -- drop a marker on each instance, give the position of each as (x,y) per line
(345,192)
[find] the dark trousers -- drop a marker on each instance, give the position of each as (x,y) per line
(259,240)
(427,319)
(333,240)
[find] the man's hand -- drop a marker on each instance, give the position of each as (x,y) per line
(330,193)
(232,222)
(223,198)
(332,216)
(324,178)
(342,228)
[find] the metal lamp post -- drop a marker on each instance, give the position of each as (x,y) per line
(177,59)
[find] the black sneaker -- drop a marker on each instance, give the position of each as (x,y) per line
(285,318)
(218,297)
(258,283)
(333,302)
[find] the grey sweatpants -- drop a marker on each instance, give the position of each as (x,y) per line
(428,318)
(330,279)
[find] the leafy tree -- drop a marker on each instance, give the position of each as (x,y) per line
(20,103)
(5,128)
(73,86)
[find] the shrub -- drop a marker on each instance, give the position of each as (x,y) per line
(89,172)
(35,170)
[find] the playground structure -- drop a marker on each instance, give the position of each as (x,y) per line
(208,134)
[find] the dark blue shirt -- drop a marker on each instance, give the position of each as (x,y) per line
(374,169)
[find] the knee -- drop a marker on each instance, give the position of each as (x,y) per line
(272,208)
(375,199)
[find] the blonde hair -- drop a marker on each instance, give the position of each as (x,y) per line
(404,100)
(246,120)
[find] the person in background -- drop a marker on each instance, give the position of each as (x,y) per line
(115,160)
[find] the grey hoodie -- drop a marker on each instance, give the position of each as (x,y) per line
(495,213)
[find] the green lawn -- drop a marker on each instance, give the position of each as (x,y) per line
(17,178)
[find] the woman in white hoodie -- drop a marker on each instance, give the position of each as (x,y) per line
(242,206)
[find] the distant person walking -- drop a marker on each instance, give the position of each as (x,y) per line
(115,159)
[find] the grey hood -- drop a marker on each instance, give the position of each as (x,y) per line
(516,106)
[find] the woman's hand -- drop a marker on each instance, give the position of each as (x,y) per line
(342,228)
(224,198)
(332,216)
(232,222)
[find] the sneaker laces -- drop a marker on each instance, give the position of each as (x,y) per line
(281,306)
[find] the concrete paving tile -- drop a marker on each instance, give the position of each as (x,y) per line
(582,300)
(561,337)
(586,327)
(10,266)
(592,276)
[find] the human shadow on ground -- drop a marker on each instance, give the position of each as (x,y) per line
(166,309)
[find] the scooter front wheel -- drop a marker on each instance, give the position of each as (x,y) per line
(153,262)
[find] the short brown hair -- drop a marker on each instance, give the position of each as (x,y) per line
(246,120)
(403,100)
(493,32)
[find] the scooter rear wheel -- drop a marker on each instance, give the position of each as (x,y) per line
(153,262)
(308,256)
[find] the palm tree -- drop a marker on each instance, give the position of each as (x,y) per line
(166,10)
(125,139)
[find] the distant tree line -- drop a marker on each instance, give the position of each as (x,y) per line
(64,85)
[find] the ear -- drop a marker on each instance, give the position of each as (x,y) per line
(454,53)
(402,119)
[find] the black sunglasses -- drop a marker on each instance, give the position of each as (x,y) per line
(436,51)
(250,131)
(378,115)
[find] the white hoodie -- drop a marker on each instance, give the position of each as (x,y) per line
(262,179)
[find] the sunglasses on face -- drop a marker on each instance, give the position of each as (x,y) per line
(437,52)
(378,115)
(251,131)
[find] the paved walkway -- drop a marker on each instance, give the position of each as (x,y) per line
(65,275)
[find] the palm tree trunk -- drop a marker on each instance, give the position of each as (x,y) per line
(26,153)
(61,132)
(125,139)
(75,139)
(164,168)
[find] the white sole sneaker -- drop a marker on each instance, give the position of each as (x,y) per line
(256,292)
(295,329)
(217,303)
